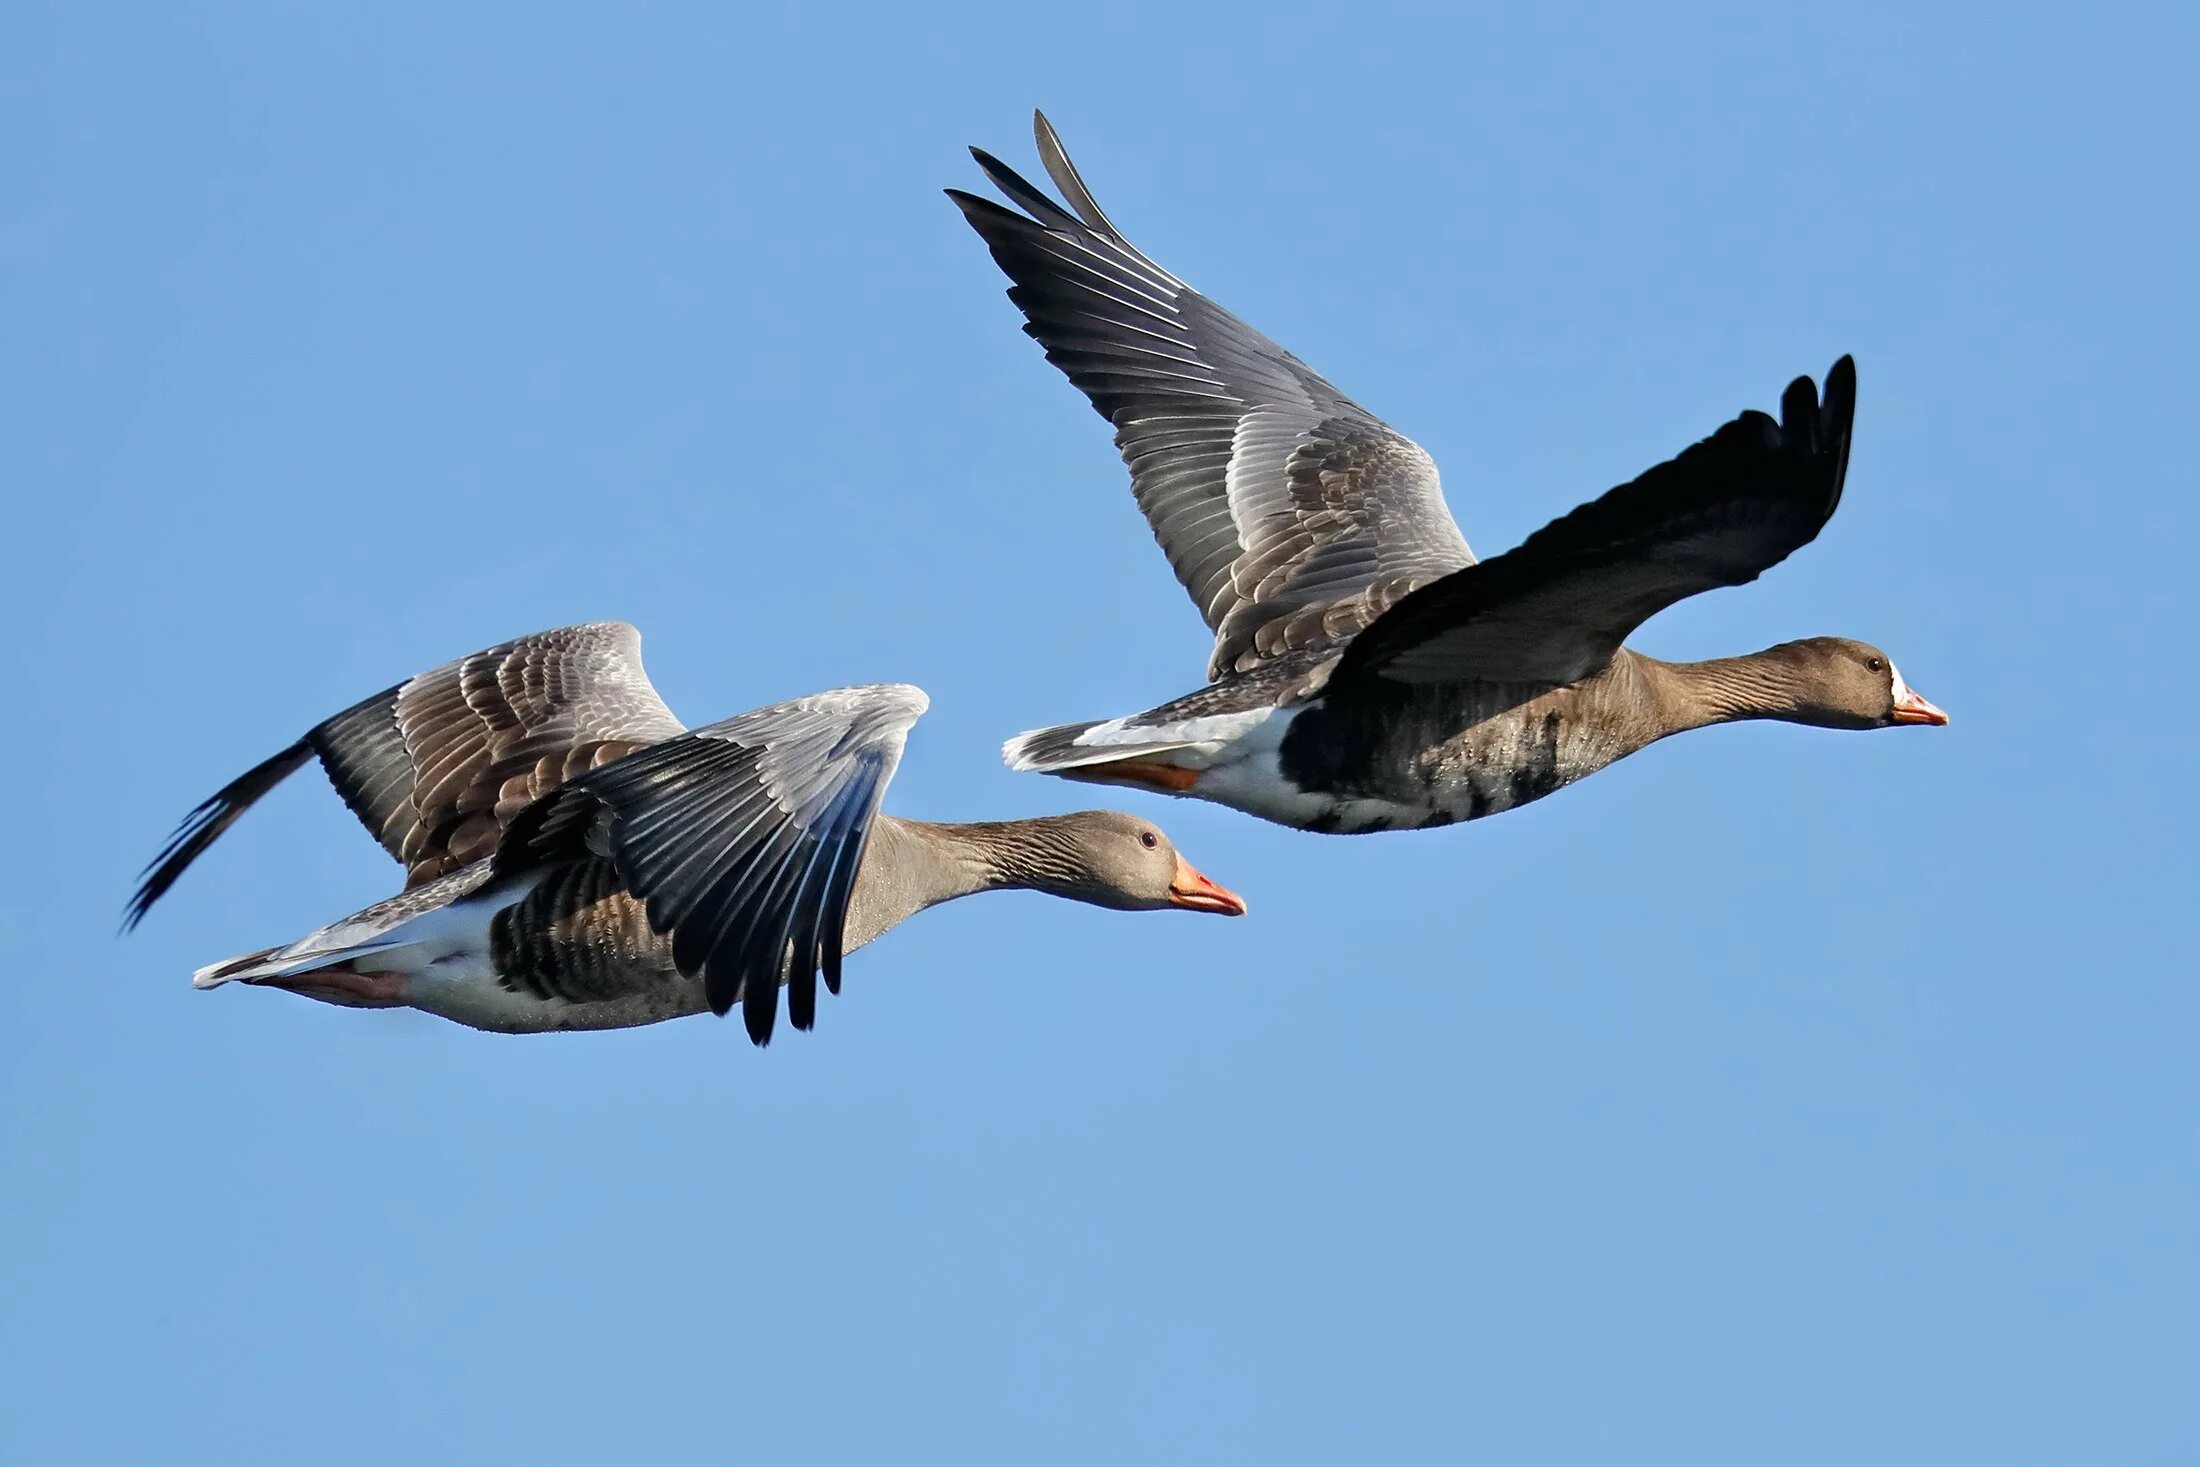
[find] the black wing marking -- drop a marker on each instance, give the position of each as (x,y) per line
(741,838)
(1557,608)
(365,760)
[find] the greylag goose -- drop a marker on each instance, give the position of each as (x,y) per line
(1367,673)
(576,859)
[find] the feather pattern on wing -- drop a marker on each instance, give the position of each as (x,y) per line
(438,765)
(742,838)
(1292,515)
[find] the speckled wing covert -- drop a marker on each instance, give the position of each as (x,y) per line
(1292,515)
(741,838)
(1556,608)
(438,765)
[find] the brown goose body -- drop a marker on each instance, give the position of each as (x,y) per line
(577,950)
(1367,672)
(1424,758)
(1432,756)
(694,872)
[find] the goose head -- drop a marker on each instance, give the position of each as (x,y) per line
(1111,859)
(1838,682)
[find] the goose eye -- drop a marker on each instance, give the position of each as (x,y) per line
(1875,664)
(1148,839)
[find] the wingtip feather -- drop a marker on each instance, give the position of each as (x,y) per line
(1839,404)
(206,823)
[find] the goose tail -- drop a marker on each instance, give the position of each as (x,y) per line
(1071,746)
(214,975)
(276,963)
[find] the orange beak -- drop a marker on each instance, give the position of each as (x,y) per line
(1193,890)
(1910,708)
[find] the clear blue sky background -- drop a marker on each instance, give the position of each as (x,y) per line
(1778,1096)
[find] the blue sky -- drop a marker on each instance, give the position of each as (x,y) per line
(1778,1095)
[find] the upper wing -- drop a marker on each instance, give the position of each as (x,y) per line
(741,838)
(1558,607)
(436,767)
(1292,515)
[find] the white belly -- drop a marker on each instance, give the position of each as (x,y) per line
(1247,774)
(448,972)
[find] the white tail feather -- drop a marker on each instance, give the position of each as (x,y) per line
(408,945)
(284,963)
(1077,745)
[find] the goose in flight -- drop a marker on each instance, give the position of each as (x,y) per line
(1367,672)
(577,859)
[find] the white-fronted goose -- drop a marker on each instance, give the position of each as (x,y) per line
(575,859)
(1367,672)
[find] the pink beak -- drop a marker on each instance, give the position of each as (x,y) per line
(1910,708)
(1191,889)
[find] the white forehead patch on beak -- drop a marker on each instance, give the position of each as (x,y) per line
(1901,688)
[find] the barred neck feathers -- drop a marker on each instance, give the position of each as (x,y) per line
(914,864)
(1830,682)
(1721,690)
(1101,857)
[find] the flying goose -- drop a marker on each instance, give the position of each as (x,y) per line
(1368,673)
(576,859)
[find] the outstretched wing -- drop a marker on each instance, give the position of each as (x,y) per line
(741,838)
(436,766)
(1557,608)
(1291,514)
